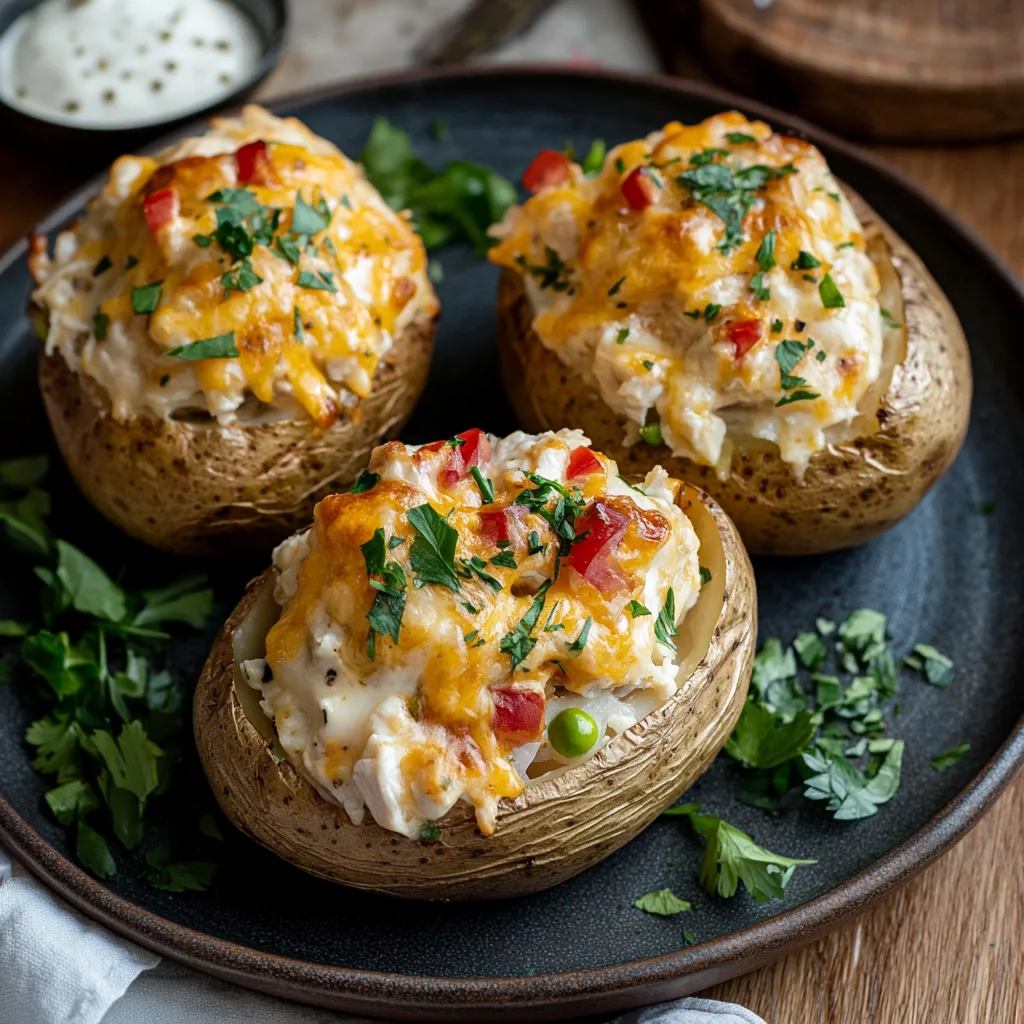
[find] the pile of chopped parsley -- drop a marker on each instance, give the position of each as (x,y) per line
(109,729)
(816,730)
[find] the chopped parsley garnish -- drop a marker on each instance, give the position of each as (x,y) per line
(833,195)
(636,609)
(484,486)
(288,249)
(693,314)
(776,326)
(310,220)
(535,546)
(100,323)
(663,902)
(728,193)
(766,252)
(469,567)
(950,757)
(580,642)
(647,364)
(890,320)
(937,668)
(469,608)
(222,346)
(831,296)
(665,625)
(821,356)
(241,279)
(506,559)
(297,321)
(429,832)
(797,396)
(203,241)
(711,310)
(705,575)
(520,642)
(650,434)
(562,516)
(761,292)
(614,290)
(146,298)
(461,201)
(366,481)
(846,245)
(550,274)
(432,555)
(849,795)
(593,162)
(738,138)
(805,261)
(322,281)
(388,579)
(102,267)
(788,354)
(620,165)
(761,740)
(622,335)
(731,856)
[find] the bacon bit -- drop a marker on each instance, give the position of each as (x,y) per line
(518,715)
(549,168)
(161,208)
(252,162)
(583,462)
(743,335)
(459,459)
(638,190)
(502,525)
(404,290)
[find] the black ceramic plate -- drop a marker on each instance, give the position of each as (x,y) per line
(947,575)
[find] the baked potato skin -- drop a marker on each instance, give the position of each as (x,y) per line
(556,828)
(852,491)
(199,489)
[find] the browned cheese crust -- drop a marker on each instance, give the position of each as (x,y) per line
(557,827)
(196,488)
(853,489)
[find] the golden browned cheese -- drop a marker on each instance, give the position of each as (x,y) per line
(333,323)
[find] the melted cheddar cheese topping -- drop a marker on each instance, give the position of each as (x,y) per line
(711,282)
(502,603)
(258,235)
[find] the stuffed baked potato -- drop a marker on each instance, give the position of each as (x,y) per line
(228,332)
(713,301)
(484,669)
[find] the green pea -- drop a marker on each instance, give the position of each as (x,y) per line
(572,732)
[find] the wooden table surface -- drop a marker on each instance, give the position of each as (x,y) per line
(948,948)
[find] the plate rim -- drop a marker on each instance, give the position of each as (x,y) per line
(541,996)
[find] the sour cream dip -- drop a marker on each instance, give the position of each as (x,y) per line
(125,63)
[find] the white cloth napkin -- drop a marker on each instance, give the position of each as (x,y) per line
(58,967)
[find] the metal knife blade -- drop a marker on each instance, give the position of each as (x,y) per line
(484,26)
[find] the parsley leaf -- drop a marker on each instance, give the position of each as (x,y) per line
(385,615)
(663,902)
(937,668)
(92,850)
(762,741)
(665,625)
(309,220)
(177,876)
(831,296)
(322,281)
(222,346)
(100,323)
(432,555)
(805,261)
(88,587)
(766,251)
(366,481)
(146,298)
(940,763)
(484,486)
(576,647)
(636,609)
(518,643)
(848,793)
(731,856)
(593,162)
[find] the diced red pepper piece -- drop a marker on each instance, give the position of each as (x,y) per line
(549,168)
(460,458)
(518,715)
(583,462)
(160,209)
(252,162)
(604,526)
(743,335)
(638,190)
(502,525)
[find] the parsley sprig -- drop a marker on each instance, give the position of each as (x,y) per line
(111,725)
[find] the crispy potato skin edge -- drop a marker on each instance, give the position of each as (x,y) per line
(851,491)
(198,489)
(554,830)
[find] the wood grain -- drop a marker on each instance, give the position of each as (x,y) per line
(948,948)
(910,69)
